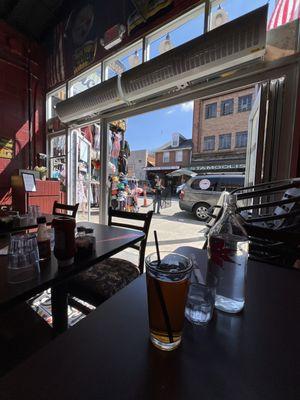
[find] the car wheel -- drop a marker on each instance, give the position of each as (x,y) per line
(200,211)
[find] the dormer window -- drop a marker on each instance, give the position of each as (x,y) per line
(175,140)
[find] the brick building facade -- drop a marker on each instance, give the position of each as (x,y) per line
(172,156)
(220,128)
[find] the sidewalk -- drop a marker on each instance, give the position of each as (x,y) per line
(175,228)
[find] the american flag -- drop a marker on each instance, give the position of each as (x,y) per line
(285,11)
(55,62)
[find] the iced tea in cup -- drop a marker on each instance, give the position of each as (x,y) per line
(167,288)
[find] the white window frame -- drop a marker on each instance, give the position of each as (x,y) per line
(48,99)
(121,54)
(80,76)
(179,156)
(177,137)
(172,26)
(166,157)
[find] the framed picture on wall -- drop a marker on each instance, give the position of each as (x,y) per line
(29,182)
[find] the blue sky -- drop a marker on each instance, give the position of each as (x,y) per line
(152,130)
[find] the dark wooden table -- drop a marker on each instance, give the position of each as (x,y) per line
(109,241)
(251,356)
(24,224)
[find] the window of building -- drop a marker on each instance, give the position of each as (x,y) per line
(85,81)
(245,103)
(211,110)
(52,99)
(183,29)
(209,143)
(175,139)
(227,107)
(223,11)
(126,59)
(225,141)
(57,157)
(166,156)
(241,139)
(179,156)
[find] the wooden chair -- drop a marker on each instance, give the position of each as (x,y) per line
(65,207)
(104,279)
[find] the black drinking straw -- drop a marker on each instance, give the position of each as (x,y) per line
(161,297)
(157,248)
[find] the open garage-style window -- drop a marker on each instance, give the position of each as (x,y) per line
(183,29)
(129,58)
(53,98)
(222,11)
(85,81)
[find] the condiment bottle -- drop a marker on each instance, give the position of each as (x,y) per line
(43,239)
(64,247)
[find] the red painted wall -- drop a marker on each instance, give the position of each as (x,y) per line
(14,102)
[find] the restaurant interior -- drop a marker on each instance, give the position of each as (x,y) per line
(79,321)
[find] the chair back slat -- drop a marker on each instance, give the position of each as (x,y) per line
(121,225)
(146,218)
(127,215)
(65,207)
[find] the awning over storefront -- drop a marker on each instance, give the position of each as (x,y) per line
(181,172)
(167,168)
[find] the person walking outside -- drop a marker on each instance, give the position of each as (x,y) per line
(157,189)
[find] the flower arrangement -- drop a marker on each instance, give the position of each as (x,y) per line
(42,171)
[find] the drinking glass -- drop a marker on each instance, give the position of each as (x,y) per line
(200,303)
(167,288)
(23,257)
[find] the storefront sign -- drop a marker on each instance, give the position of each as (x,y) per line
(218,167)
(6,148)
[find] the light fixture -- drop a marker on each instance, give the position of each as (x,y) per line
(117,66)
(165,45)
(134,60)
(220,17)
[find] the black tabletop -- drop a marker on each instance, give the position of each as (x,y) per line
(24,223)
(109,241)
(251,356)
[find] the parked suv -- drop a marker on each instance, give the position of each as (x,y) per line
(202,192)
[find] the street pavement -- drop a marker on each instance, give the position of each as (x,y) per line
(175,228)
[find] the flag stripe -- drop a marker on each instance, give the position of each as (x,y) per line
(285,11)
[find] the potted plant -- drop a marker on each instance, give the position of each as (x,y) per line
(42,171)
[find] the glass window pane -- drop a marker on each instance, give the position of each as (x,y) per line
(211,110)
(58,170)
(85,81)
(123,61)
(178,32)
(178,156)
(227,107)
(245,103)
(58,146)
(52,100)
(225,141)
(241,139)
(166,157)
(223,11)
(209,143)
